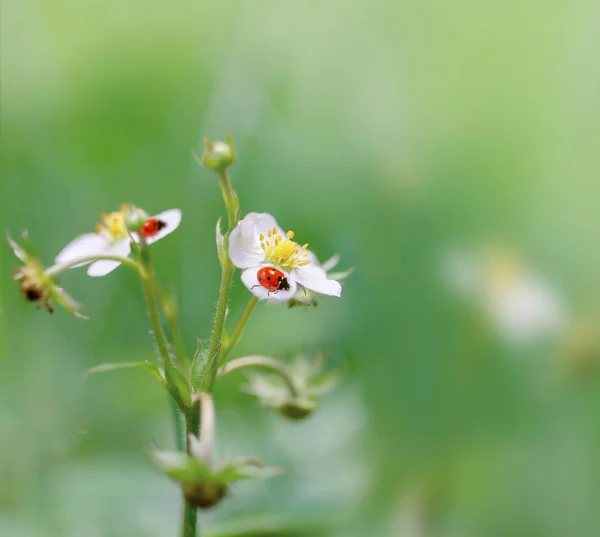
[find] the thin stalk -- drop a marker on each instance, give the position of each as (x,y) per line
(236,335)
(232,203)
(209,374)
(170,310)
(161,340)
(190,512)
(212,363)
(261,362)
(189,520)
(179,425)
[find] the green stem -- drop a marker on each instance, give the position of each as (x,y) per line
(236,335)
(209,374)
(179,424)
(212,363)
(230,198)
(189,520)
(161,340)
(261,362)
(170,310)
(190,512)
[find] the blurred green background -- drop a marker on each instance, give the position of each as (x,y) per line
(390,132)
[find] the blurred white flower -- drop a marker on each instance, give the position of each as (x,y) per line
(520,304)
(112,237)
(274,264)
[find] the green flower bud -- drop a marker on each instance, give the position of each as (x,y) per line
(218,156)
(135,218)
(296,397)
(204,494)
(298,409)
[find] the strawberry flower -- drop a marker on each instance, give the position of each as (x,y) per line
(113,237)
(257,245)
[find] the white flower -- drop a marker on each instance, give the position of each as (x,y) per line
(112,237)
(521,305)
(308,298)
(259,243)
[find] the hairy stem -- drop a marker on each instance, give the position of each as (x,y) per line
(151,303)
(214,351)
(189,520)
(170,310)
(190,512)
(236,335)
(212,362)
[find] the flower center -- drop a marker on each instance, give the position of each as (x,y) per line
(283,252)
(113,224)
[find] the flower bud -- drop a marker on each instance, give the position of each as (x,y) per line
(204,494)
(218,156)
(135,218)
(299,398)
(298,409)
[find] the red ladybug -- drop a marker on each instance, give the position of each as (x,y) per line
(272,279)
(152,226)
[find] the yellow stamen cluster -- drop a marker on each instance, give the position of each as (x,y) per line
(113,224)
(284,253)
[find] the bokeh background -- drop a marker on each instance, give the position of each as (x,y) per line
(448,150)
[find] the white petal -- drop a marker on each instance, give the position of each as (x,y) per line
(172,218)
(265,222)
(88,244)
(331,263)
(244,244)
(103,267)
(315,279)
(250,279)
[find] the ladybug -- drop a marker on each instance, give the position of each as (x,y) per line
(272,279)
(152,226)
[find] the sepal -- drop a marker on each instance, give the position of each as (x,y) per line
(299,398)
(203,482)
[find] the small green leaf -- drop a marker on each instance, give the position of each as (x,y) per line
(221,252)
(198,365)
(179,386)
(147,367)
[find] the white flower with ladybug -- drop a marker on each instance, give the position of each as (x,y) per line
(273,264)
(113,237)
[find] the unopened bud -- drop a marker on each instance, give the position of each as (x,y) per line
(135,219)
(218,156)
(204,494)
(298,410)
